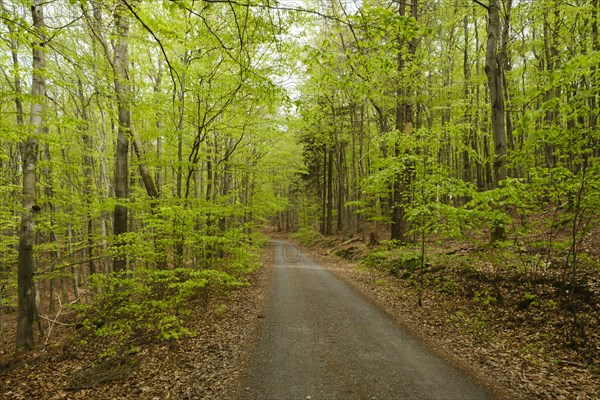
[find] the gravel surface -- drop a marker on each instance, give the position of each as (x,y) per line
(320,339)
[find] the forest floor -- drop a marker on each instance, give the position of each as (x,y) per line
(205,366)
(518,350)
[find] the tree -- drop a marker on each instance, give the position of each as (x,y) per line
(494,72)
(404,124)
(27,305)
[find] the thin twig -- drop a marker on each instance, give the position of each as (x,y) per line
(162,49)
(482,5)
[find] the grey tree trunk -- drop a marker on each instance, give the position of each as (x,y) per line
(145,173)
(26,289)
(49,192)
(494,75)
(14,49)
(89,178)
(506,65)
(404,123)
(329,217)
(120,63)
(493,70)
(159,141)
(593,123)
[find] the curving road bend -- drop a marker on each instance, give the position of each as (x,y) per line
(322,340)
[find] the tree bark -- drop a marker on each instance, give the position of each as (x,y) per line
(494,75)
(88,174)
(404,124)
(120,63)
(26,264)
(506,65)
(329,218)
(324,198)
(467,173)
(593,122)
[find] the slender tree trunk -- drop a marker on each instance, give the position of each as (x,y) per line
(404,123)
(14,50)
(120,63)
(341,192)
(328,222)
(181,98)
(159,125)
(385,200)
(324,198)
(145,173)
(74,273)
(88,174)
(476,145)
(506,67)
(466,176)
(49,192)
(593,123)
(26,289)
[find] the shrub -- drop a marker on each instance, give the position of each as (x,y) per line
(146,303)
(307,236)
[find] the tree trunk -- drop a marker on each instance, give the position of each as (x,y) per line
(324,198)
(26,289)
(404,123)
(145,173)
(466,167)
(477,148)
(494,74)
(159,125)
(88,174)
(49,192)
(493,70)
(506,65)
(120,63)
(181,98)
(341,182)
(328,221)
(593,122)
(14,49)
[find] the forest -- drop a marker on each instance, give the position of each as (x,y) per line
(145,145)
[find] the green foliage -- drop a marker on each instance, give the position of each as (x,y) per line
(398,262)
(375,259)
(307,236)
(220,310)
(485,297)
(528,300)
(404,263)
(150,304)
(447,286)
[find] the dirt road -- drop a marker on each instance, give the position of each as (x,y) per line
(320,339)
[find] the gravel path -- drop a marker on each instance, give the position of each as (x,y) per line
(322,340)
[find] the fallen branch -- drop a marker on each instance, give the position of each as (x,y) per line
(52,322)
(572,363)
(347,242)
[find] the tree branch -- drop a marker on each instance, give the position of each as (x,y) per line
(281,8)
(481,4)
(162,49)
